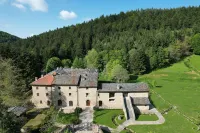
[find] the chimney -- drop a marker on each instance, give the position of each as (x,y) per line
(118,87)
(36,78)
(54,73)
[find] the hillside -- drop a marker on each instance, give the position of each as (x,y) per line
(139,41)
(7,38)
(177,87)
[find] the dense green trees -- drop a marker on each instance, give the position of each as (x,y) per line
(12,85)
(53,63)
(66,63)
(138,62)
(119,73)
(78,63)
(92,59)
(140,41)
(5,37)
(195,41)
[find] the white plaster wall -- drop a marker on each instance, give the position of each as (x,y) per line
(116,104)
(42,90)
(142,108)
(142,94)
(82,98)
(65,97)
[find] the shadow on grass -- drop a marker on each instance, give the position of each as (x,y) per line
(151,102)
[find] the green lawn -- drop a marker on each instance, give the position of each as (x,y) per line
(66,118)
(120,121)
(104,117)
(146,117)
(180,86)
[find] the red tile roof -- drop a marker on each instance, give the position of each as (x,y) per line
(46,80)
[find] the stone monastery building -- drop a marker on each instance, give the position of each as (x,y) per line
(69,88)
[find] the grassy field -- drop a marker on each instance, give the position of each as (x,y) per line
(178,86)
(104,117)
(146,117)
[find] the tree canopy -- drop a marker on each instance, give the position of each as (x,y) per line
(53,63)
(92,59)
(119,73)
(195,41)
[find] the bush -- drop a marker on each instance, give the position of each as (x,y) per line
(78,111)
(75,121)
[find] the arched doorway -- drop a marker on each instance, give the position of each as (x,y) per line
(88,103)
(100,103)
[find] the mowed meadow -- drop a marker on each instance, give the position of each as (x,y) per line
(175,92)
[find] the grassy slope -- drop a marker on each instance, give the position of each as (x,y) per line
(179,86)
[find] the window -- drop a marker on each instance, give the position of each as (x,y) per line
(86,88)
(100,103)
(98,94)
(70,94)
(70,103)
(40,101)
(59,87)
(70,87)
(110,100)
(38,94)
(48,103)
(47,94)
(46,88)
(87,94)
(59,102)
(36,88)
(88,103)
(59,94)
(111,95)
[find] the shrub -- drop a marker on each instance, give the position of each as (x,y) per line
(75,121)
(78,111)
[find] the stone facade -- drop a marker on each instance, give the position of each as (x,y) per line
(84,91)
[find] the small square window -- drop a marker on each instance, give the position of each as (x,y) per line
(59,94)
(36,88)
(70,94)
(86,88)
(40,101)
(38,94)
(69,87)
(59,88)
(111,100)
(98,95)
(46,88)
(87,94)
(111,94)
(47,94)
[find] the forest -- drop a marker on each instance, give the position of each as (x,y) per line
(134,42)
